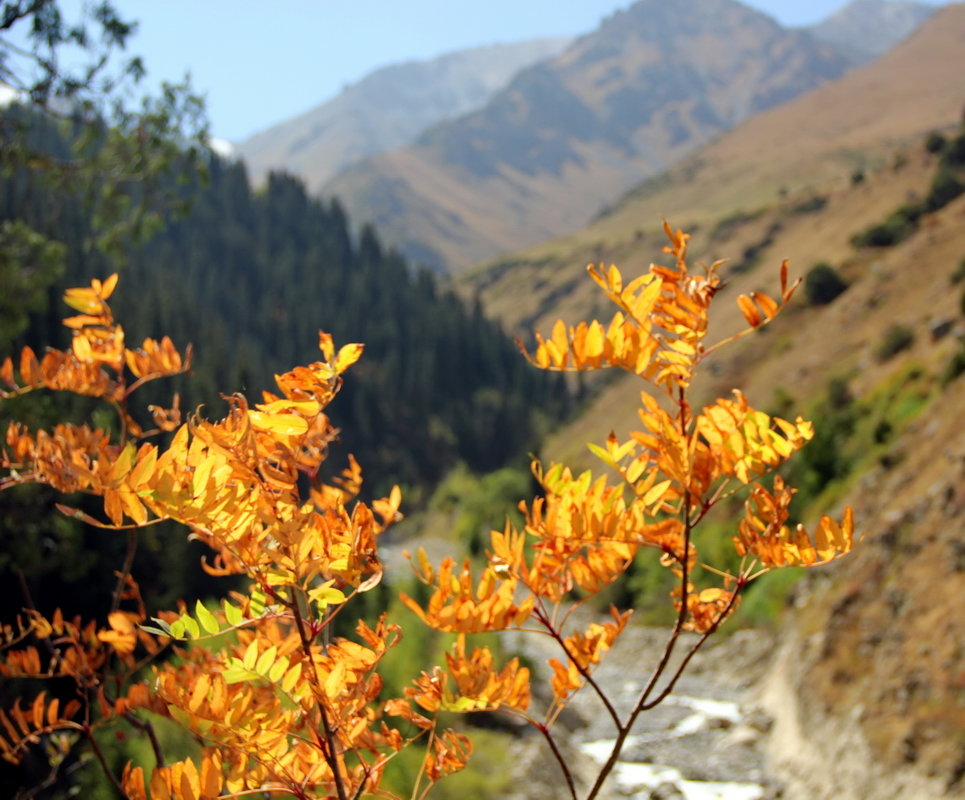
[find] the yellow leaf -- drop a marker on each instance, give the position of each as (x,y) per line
(211,776)
(335,680)
(251,655)
(347,356)
(279,424)
(199,692)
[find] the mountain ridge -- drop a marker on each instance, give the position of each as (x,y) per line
(651,84)
(387,108)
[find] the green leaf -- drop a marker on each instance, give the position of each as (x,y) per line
(232,614)
(191,625)
(208,620)
(265,660)
(177,629)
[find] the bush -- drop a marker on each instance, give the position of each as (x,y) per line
(959,274)
(945,188)
(955,366)
(812,204)
(935,142)
(896,339)
(900,224)
(822,284)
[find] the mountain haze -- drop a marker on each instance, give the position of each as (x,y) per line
(649,86)
(387,109)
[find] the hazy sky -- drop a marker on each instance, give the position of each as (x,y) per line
(261,62)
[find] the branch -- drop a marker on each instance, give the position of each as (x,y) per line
(329,751)
(89,732)
(148,728)
(543,729)
(587,676)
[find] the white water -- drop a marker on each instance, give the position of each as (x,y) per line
(637,776)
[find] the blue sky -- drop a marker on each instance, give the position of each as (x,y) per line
(259,63)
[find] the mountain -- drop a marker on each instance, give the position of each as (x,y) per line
(387,109)
(649,86)
(812,146)
(866,29)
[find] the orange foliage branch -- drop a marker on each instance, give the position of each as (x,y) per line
(279,706)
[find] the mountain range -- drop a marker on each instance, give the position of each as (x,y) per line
(387,109)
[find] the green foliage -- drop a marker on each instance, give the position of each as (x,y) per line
(822,284)
(856,432)
(812,204)
(475,505)
(947,184)
(935,142)
(895,339)
(898,226)
(956,364)
(766,599)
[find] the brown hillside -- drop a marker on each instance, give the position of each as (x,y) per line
(778,159)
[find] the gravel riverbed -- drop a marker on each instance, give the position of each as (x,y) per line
(703,743)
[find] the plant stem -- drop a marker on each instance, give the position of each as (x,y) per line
(543,729)
(148,728)
(125,570)
(89,733)
(587,675)
(329,751)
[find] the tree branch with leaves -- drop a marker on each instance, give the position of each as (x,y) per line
(277,704)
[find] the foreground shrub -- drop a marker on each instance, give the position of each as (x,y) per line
(280,706)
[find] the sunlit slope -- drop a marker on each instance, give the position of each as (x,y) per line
(815,145)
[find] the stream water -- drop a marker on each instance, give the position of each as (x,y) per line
(701,743)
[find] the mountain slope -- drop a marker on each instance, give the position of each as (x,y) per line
(649,86)
(387,109)
(814,145)
(866,29)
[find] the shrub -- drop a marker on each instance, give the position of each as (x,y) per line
(823,284)
(935,142)
(895,339)
(276,701)
(899,225)
(945,187)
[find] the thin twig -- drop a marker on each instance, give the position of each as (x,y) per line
(148,728)
(88,731)
(543,729)
(587,675)
(329,751)
(125,571)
